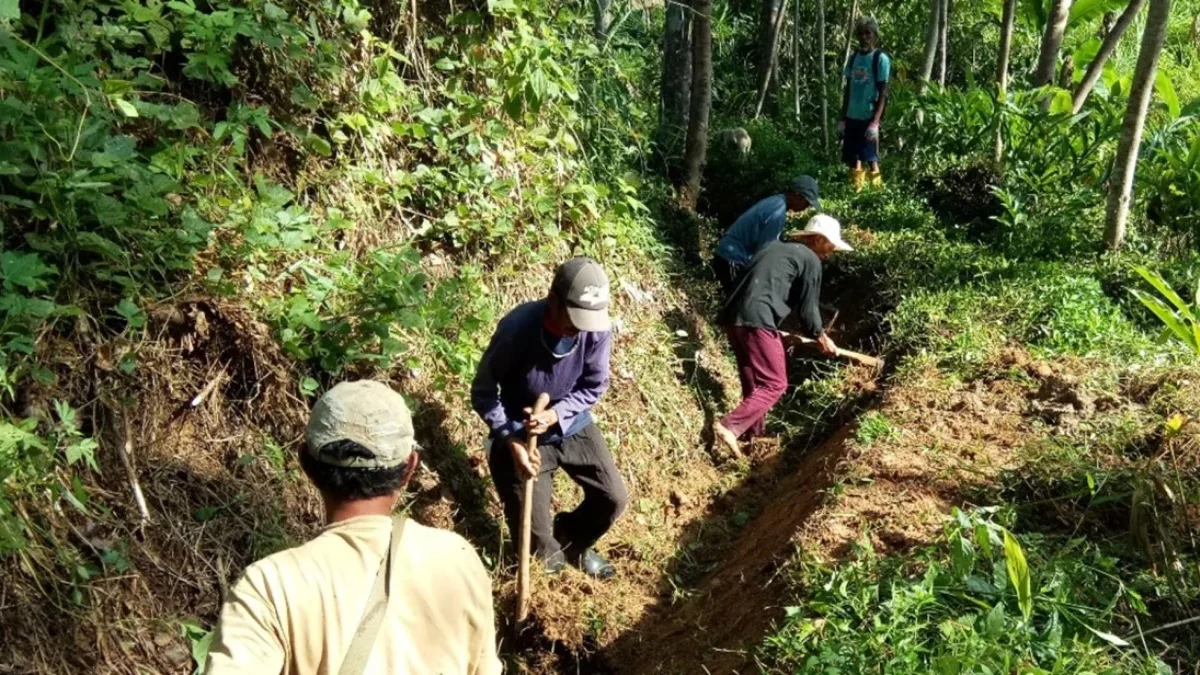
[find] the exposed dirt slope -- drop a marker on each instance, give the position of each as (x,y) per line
(932,443)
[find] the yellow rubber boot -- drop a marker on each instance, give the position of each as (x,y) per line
(857,179)
(876,179)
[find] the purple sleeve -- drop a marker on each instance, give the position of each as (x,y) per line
(590,385)
(485,389)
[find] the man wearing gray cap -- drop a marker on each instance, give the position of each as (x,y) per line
(760,225)
(559,346)
(371,593)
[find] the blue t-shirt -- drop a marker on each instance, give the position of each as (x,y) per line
(863,87)
(757,227)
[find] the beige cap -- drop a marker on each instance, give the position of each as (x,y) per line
(369,413)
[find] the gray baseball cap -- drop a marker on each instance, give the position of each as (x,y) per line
(369,413)
(806,186)
(582,285)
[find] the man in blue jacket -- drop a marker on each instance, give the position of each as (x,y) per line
(762,224)
(559,345)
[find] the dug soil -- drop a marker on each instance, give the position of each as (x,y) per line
(937,443)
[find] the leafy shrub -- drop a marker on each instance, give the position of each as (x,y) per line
(978,601)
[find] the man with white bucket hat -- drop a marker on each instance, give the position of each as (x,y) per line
(782,277)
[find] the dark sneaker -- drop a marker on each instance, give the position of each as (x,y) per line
(594,565)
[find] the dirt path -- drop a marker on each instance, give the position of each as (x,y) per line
(735,606)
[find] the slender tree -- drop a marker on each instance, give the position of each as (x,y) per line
(850,30)
(796,57)
(768,23)
(773,61)
(931,42)
(1006,33)
(821,70)
(1052,39)
(943,31)
(601,18)
(1096,67)
(697,134)
(676,85)
(1120,191)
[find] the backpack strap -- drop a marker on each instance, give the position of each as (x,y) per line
(875,66)
(359,652)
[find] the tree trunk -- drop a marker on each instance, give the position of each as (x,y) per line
(1096,67)
(850,30)
(768,19)
(601,18)
(821,70)
(931,42)
(1052,39)
(1066,74)
(796,58)
(943,31)
(773,63)
(1120,191)
(697,134)
(676,85)
(1006,34)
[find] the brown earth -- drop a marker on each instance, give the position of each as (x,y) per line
(945,441)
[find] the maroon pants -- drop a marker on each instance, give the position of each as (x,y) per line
(762,367)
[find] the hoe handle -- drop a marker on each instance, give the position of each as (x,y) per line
(526,521)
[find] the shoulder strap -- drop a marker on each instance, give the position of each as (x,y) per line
(875,66)
(359,652)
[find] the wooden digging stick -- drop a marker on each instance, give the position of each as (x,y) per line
(526,522)
(864,359)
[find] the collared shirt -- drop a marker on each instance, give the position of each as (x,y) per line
(295,612)
(524,360)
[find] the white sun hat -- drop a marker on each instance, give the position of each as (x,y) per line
(828,227)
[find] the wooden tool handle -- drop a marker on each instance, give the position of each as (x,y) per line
(864,359)
(526,521)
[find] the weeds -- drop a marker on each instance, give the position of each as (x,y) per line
(980,600)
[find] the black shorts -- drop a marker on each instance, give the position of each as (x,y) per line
(855,146)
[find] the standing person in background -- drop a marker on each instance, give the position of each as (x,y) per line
(783,277)
(371,593)
(867,73)
(560,346)
(760,225)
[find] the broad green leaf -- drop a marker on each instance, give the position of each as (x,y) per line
(25,270)
(1083,11)
(1172,321)
(124,106)
(10,9)
(131,312)
(1166,91)
(94,243)
(1164,289)
(1018,574)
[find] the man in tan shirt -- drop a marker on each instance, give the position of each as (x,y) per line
(298,611)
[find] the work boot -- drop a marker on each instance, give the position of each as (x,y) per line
(857,178)
(876,178)
(725,437)
(594,565)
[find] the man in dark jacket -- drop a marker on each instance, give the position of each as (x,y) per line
(560,346)
(760,225)
(783,277)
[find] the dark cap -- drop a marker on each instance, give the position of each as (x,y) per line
(582,286)
(806,186)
